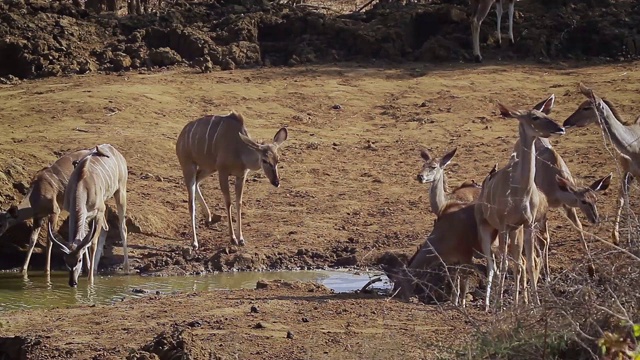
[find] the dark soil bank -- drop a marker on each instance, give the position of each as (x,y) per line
(40,38)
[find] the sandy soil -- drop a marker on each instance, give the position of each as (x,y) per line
(348,191)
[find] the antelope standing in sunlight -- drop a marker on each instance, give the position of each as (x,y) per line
(44,200)
(480,9)
(221,143)
(97,177)
(624,138)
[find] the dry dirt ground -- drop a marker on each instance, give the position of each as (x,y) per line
(348,192)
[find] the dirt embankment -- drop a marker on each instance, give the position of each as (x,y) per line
(42,38)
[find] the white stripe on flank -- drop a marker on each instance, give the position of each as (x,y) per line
(206,136)
(193,127)
(217,131)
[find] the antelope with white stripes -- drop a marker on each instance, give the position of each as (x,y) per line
(221,143)
(100,175)
(44,200)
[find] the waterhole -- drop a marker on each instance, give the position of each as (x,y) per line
(40,291)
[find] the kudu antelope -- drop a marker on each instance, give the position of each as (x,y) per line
(554,179)
(433,172)
(99,176)
(221,143)
(453,240)
(510,199)
(623,136)
(479,10)
(44,200)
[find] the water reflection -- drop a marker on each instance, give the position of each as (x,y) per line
(40,290)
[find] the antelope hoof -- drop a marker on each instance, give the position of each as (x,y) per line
(478,58)
(194,246)
(499,44)
(214,219)
(242,242)
(512,42)
(234,241)
(615,238)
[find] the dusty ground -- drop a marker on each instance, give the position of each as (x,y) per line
(322,326)
(348,190)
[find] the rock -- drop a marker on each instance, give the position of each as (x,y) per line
(9,80)
(254,309)
(350,260)
(260,325)
(22,187)
(289,334)
(164,57)
(120,61)
(227,64)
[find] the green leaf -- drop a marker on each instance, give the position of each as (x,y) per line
(636,330)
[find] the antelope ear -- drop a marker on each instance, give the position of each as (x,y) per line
(602,184)
(424,154)
(587,92)
(13,211)
(252,144)
(446,159)
(99,152)
(508,112)
(563,183)
(546,105)
(281,136)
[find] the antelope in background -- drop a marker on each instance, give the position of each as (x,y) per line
(221,143)
(433,172)
(45,199)
(623,136)
(100,175)
(510,199)
(479,10)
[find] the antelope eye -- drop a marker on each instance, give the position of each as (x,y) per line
(266,162)
(535,117)
(584,202)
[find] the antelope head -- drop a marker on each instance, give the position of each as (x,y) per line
(8,219)
(536,122)
(433,166)
(73,253)
(268,154)
(583,197)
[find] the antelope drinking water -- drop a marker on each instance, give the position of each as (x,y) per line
(44,200)
(100,175)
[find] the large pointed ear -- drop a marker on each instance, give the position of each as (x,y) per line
(252,144)
(546,105)
(602,184)
(447,158)
(587,92)
(507,112)
(424,154)
(13,211)
(99,152)
(281,136)
(563,183)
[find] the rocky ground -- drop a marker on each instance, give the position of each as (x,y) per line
(348,196)
(52,38)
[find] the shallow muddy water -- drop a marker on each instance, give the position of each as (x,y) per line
(37,291)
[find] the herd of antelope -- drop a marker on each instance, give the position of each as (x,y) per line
(505,210)
(503,215)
